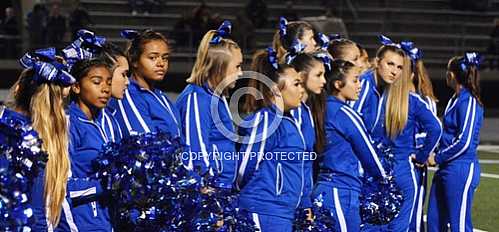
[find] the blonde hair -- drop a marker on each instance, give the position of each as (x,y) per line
(212,60)
(397,104)
(44,105)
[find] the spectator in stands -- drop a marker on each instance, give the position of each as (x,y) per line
(182,31)
(493,48)
(257,12)
(290,13)
(8,27)
(36,25)
(79,19)
(9,22)
(328,24)
(202,21)
(56,26)
(243,32)
(141,6)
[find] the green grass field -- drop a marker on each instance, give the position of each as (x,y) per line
(486,202)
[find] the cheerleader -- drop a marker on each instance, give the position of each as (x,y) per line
(424,88)
(346,49)
(400,115)
(90,96)
(120,70)
(38,100)
(206,119)
(458,174)
(311,111)
(144,108)
(271,174)
(285,37)
(347,143)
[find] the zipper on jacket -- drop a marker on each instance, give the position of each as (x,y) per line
(94,208)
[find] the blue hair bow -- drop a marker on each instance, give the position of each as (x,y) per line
(470,59)
(324,57)
(87,46)
(46,67)
(296,48)
(407,46)
(387,41)
(222,32)
(332,37)
(129,34)
(323,41)
(413,52)
(283,26)
(272,56)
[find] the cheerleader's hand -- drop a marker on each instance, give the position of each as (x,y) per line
(431,160)
(418,164)
(310,215)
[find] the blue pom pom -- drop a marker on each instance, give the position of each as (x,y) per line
(381,199)
(21,159)
(322,219)
(152,190)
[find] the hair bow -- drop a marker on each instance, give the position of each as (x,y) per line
(332,37)
(272,56)
(129,34)
(323,41)
(87,46)
(470,59)
(296,48)
(324,57)
(283,26)
(414,53)
(222,32)
(46,67)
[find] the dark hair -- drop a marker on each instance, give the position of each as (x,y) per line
(110,53)
(135,46)
(294,30)
(262,66)
(468,77)
(339,69)
(26,88)
(82,67)
(317,102)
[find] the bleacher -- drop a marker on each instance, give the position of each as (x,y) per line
(431,24)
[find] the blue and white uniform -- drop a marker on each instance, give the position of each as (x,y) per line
(271,174)
(420,118)
(304,119)
(110,125)
(87,139)
(209,133)
(367,104)
(347,144)
(458,173)
(37,190)
(417,217)
(143,111)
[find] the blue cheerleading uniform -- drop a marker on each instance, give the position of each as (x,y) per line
(110,125)
(271,174)
(367,104)
(209,133)
(417,217)
(87,139)
(143,111)
(420,118)
(304,119)
(37,200)
(347,144)
(458,173)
